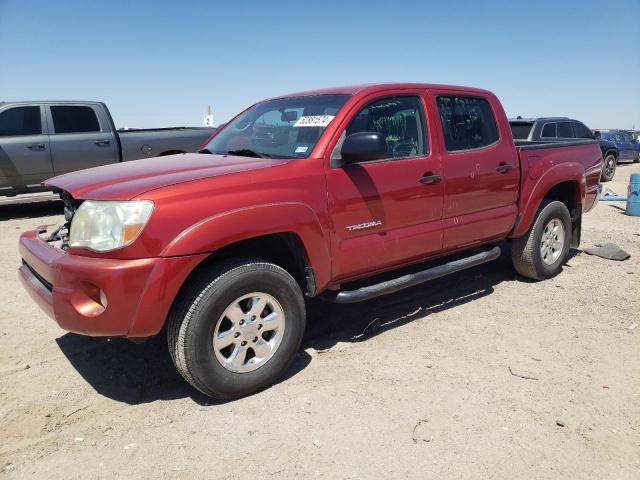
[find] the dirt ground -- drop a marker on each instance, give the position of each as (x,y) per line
(425,392)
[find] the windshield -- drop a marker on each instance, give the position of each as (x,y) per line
(281,128)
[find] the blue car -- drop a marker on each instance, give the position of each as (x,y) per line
(628,146)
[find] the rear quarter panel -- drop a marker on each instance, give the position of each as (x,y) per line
(143,144)
(544,168)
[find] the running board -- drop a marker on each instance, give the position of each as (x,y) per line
(400,283)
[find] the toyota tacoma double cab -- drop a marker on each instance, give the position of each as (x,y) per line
(314,194)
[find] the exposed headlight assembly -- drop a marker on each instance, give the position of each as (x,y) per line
(103,226)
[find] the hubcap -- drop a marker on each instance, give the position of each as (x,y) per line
(552,241)
(249,332)
(609,165)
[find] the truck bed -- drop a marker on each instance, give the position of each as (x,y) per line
(151,142)
(161,129)
(551,163)
(539,144)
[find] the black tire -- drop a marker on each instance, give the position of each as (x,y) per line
(525,251)
(609,167)
(197,312)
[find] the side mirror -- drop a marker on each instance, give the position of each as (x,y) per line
(596,134)
(363,147)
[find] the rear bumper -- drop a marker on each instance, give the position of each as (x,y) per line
(139,293)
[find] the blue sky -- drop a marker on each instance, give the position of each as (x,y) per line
(161,63)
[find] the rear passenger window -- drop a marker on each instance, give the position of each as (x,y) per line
(467,122)
(74,119)
(565,130)
(581,131)
(19,121)
(549,130)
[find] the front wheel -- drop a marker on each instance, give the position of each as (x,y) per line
(609,168)
(541,252)
(236,329)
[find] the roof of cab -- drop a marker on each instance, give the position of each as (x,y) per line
(54,102)
(381,87)
(536,119)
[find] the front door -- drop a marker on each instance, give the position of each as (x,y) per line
(481,171)
(78,140)
(384,212)
(25,157)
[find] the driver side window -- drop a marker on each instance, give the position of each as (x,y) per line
(400,120)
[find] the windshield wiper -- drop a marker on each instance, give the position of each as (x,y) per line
(247,152)
(205,150)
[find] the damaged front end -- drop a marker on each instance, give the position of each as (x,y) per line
(60,236)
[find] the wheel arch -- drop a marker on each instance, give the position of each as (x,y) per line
(287,234)
(284,249)
(170,152)
(566,183)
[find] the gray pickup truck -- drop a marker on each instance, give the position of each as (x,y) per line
(39,140)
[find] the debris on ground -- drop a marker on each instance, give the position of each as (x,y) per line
(415,436)
(520,375)
(560,423)
(610,251)
(71,412)
(371,327)
(611,196)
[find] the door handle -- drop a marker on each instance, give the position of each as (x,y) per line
(36,146)
(102,142)
(430,179)
(504,167)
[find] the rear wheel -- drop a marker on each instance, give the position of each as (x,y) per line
(609,167)
(540,253)
(236,329)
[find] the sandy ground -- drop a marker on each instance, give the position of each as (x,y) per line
(425,393)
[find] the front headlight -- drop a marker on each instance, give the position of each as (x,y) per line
(107,225)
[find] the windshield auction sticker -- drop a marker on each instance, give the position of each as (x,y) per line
(314,121)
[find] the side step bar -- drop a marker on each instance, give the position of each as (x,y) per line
(400,283)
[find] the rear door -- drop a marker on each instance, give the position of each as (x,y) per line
(624,148)
(385,212)
(481,169)
(79,139)
(25,156)
(631,147)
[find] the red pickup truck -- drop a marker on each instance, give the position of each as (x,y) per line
(311,194)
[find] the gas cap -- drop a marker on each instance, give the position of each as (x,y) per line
(146,149)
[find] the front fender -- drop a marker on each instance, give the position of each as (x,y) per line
(229,227)
(538,183)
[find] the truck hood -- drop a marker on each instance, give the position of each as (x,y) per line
(124,181)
